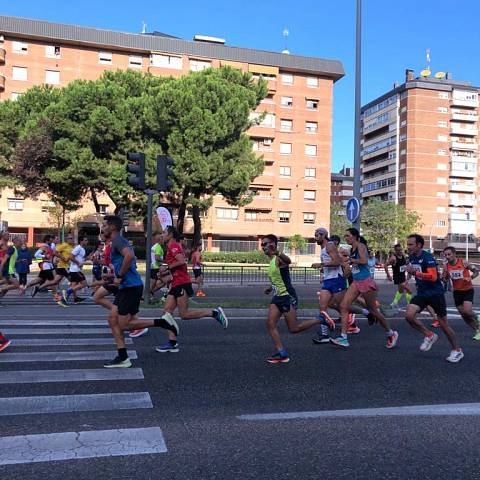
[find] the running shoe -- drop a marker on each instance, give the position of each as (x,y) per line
(78,300)
(353,329)
(168,322)
(220,317)
(372,320)
(278,358)
(168,348)
(4,343)
(392,340)
(351,318)
(200,293)
(63,303)
(319,339)
(428,342)
(340,342)
(455,356)
(478,320)
(327,320)
(477,335)
(117,362)
(435,324)
(64,296)
(21,289)
(394,305)
(138,333)
(34,291)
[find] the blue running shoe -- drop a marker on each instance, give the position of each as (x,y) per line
(168,348)
(278,357)
(220,317)
(340,342)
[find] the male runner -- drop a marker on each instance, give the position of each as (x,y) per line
(284,301)
(77,278)
(461,273)
(44,258)
(430,291)
(156,257)
(197,267)
(180,290)
(397,260)
(7,267)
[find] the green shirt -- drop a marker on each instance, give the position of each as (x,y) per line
(12,260)
(276,278)
(156,250)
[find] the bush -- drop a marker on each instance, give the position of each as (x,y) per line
(235,257)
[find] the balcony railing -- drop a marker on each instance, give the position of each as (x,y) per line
(462,130)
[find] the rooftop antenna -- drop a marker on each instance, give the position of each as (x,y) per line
(286,33)
(427,72)
(144,27)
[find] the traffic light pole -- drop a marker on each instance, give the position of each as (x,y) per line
(148,250)
(358,97)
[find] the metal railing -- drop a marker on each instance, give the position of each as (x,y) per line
(252,246)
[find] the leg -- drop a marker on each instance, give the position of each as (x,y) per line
(466,311)
(100,298)
(274,316)
(186,314)
(113,322)
(350,296)
(293,326)
(448,331)
(411,317)
(370,299)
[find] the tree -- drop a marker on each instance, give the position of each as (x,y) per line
(338,220)
(296,243)
(385,223)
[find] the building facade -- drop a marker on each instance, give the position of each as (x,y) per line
(341,189)
(294,138)
(420,149)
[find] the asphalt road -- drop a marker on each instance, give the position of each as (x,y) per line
(195,402)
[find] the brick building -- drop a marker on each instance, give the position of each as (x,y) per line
(420,149)
(341,186)
(293,192)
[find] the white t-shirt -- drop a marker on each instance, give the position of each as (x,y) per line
(39,256)
(79,254)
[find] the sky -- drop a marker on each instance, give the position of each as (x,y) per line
(395,36)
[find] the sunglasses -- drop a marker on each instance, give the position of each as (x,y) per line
(265,244)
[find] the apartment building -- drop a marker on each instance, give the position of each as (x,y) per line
(341,186)
(294,138)
(420,149)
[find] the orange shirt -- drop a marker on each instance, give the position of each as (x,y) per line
(461,277)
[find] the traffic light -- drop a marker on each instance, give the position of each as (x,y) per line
(164,173)
(136,166)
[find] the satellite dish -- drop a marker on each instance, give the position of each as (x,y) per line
(425,73)
(440,75)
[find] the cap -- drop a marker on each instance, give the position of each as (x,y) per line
(321,231)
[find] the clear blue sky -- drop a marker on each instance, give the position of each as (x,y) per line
(395,36)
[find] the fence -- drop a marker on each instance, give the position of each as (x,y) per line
(251,246)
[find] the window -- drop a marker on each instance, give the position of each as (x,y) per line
(312,82)
(14,95)
(309,195)
(311,127)
(442,180)
(286,125)
(167,61)
(15,204)
(403,123)
(442,123)
(105,58)
(199,65)
(308,217)
(403,109)
(441,223)
(285,148)
(52,77)
(102,208)
(310,173)
(284,194)
(285,171)
(442,138)
(20,47)
(403,137)
(286,102)
(250,215)
(19,73)
(287,79)
(47,205)
(227,213)
(267,122)
(443,95)
(311,150)
(442,109)
(442,166)
(403,151)
(441,152)
(312,104)
(441,195)
(441,209)
(135,61)
(380,106)
(401,179)
(284,217)
(52,51)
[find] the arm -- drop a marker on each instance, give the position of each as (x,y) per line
(473,269)
(282,259)
(387,264)
(334,255)
(128,257)
(179,261)
(430,275)
(363,258)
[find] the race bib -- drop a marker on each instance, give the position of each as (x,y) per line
(403,268)
(456,274)
(274,289)
(355,269)
(416,267)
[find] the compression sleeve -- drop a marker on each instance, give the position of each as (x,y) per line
(430,275)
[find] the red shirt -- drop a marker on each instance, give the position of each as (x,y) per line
(179,274)
(106,255)
(461,278)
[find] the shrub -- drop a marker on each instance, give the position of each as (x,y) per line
(235,257)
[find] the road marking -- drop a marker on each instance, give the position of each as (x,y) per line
(22,342)
(76,445)
(60,356)
(77,375)
(454,409)
(72,323)
(74,403)
(55,331)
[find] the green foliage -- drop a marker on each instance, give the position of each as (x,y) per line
(338,220)
(235,257)
(296,243)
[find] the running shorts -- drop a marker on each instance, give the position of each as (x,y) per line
(128,300)
(154,273)
(46,275)
(437,302)
(334,285)
(63,272)
(179,290)
(399,279)
(110,288)
(366,285)
(97,272)
(197,272)
(460,296)
(284,303)
(77,277)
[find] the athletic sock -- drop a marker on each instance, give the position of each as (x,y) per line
(344,335)
(365,311)
(408,297)
(397,297)
(122,353)
(389,333)
(162,323)
(283,352)
(324,329)
(69,292)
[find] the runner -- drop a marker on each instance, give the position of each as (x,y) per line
(77,278)
(284,301)
(363,285)
(197,267)
(461,274)
(430,291)
(181,289)
(124,312)
(397,261)
(4,342)
(156,258)
(7,267)
(97,262)
(22,266)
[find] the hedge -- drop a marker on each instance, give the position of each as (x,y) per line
(235,257)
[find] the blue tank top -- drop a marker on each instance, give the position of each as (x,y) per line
(359,272)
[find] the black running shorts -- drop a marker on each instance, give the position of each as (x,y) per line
(77,277)
(437,302)
(128,300)
(46,275)
(179,290)
(460,296)
(284,303)
(63,272)
(197,272)
(399,279)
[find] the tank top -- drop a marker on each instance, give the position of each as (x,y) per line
(280,279)
(461,277)
(330,272)
(359,272)
(372,262)
(397,269)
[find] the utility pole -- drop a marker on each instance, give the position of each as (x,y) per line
(148,248)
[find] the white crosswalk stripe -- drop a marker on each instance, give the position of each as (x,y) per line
(39,347)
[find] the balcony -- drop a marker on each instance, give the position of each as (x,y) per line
(465,117)
(2,83)
(261,202)
(463,187)
(464,217)
(464,103)
(368,167)
(463,202)
(462,130)
(2,56)
(471,146)
(265,180)
(462,173)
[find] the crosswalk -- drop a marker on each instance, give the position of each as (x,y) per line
(48,353)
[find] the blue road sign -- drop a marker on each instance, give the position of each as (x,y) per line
(352,210)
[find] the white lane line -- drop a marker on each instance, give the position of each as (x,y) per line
(72,323)
(55,331)
(74,445)
(44,342)
(86,355)
(453,409)
(74,375)
(74,403)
